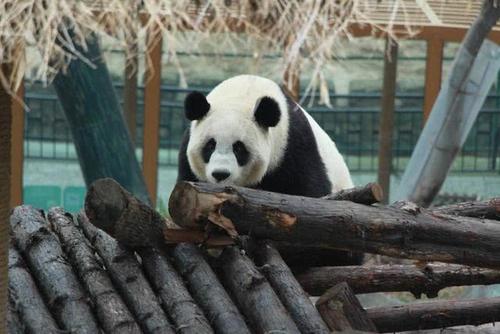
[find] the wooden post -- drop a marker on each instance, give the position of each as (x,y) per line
(5,172)
(96,121)
(152,112)
(386,122)
(17,150)
(130,90)
(433,74)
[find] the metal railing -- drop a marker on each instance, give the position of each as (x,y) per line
(353,126)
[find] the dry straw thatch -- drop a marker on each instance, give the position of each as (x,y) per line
(298,28)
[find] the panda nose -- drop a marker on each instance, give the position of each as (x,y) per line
(220,175)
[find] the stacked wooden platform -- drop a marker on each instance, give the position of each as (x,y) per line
(67,275)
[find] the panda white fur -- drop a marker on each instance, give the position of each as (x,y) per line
(248,132)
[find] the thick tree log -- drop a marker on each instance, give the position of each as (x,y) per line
(438,314)
(176,300)
(46,260)
(289,291)
(109,307)
(208,291)
(302,221)
(489,209)
(104,146)
(26,299)
(368,194)
(117,212)
(342,311)
(428,279)
(135,224)
(255,297)
(129,279)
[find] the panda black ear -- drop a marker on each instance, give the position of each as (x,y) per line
(267,112)
(196,106)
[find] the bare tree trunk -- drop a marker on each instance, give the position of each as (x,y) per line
(454,111)
(5,147)
(386,122)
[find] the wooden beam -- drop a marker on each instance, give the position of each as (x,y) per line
(433,73)
(445,33)
(386,122)
(152,112)
(17,150)
(5,170)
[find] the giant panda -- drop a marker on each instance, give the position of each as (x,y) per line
(248,132)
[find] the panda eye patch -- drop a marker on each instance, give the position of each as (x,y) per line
(208,149)
(241,153)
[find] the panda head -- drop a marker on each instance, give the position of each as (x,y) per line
(238,132)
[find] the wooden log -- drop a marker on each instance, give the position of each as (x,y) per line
(64,295)
(489,209)
(291,294)
(135,224)
(127,275)
(26,299)
(303,221)
(109,307)
(120,214)
(14,323)
(342,311)
(428,279)
(436,314)
(176,300)
(208,291)
(368,194)
(253,294)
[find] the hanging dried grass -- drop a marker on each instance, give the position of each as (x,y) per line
(299,28)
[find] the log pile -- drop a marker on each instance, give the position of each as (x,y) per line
(239,260)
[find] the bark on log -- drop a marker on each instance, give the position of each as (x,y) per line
(46,260)
(368,194)
(117,212)
(289,291)
(302,221)
(26,299)
(342,311)
(129,279)
(208,291)
(14,323)
(428,279)
(255,297)
(176,300)
(438,314)
(489,209)
(132,222)
(112,312)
